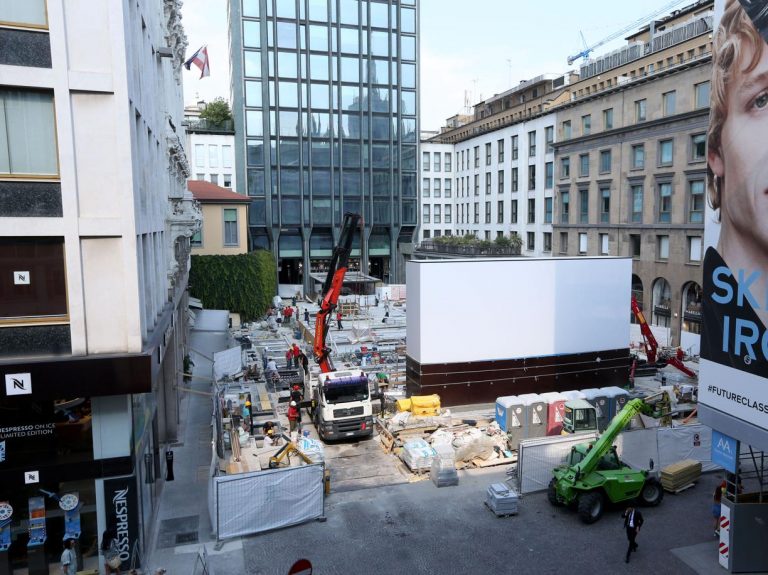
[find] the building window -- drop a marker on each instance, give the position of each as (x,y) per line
(27,129)
(437,214)
(605,205)
(215,179)
(427,234)
(488,154)
(447,214)
(565,207)
(447,187)
(608,119)
(584,166)
(514,147)
(583,206)
(500,212)
(566,130)
(698,147)
(213,156)
(663,247)
(605,161)
(563,242)
(694,248)
(500,182)
(531,243)
(665,203)
(586,125)
(696,202)
(638,157)
(460,160)
(230,227)
(565,167)
(549,169)
(500,150)
(477,213)
(477,156)
(487,183)
(448,166)
(513,212)
(425,161)
(436,188)
(583,243)
(532,144)
(436,161)
(515,184)
(425,214)
(200,177)
(640,110)
(637,203)
(634,245)
(547,241)
(547,210)
(603,244)
(477,184)
(28,13)
(196,241)
(668,103)
(666,150)
(227,180)
(200,155)
(425,187)
(532,177)
(437,233)
(226,156)
(487,212)
(531,210)
(701,93)
(549,138)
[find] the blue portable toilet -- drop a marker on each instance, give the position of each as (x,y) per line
(617,399)
(511,418)
(597,399)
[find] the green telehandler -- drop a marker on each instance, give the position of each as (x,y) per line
(594,474)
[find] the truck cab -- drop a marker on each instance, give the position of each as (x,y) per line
(579,417)
(342,403)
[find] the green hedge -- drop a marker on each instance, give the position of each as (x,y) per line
(243,284)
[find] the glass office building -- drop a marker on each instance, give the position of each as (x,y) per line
(325,100)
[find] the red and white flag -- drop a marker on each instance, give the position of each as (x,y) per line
(200,59)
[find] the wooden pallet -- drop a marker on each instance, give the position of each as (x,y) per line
(679,489)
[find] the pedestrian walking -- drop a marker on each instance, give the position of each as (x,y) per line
(110,551)
(633,521)
(304,361)
(293,416)
(306,316)
(287,313)
(68,560)
(338,321)
(717,498)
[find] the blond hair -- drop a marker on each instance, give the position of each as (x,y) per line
(735,33)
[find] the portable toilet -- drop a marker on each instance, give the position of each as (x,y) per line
(597,398)
(535,415)
(511,418)
(555,408)
(573,394)
(617,399)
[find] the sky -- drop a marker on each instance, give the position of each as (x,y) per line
(468,50)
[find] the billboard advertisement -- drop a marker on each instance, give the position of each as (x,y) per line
(734,343)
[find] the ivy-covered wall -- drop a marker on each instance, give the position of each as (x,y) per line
(243,284)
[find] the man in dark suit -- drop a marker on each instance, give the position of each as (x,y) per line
(633,521)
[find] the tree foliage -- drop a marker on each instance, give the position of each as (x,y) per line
(216,112)
(243,283)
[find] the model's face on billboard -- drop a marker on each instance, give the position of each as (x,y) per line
(742,161)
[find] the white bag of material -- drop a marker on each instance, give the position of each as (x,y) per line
(400,419)
(417,455)
(312,448)
(480,447)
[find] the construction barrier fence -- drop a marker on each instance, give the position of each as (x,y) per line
(536,458)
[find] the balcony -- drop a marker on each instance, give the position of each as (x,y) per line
(200,125)
(456,247)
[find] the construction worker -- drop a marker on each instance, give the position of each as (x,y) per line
(289,357)
(293,416)
(296,393)
(306,316)
(296,354)
(338,320)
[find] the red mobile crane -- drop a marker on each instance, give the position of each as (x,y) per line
(655,358)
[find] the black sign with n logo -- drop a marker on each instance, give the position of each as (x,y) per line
(122,511)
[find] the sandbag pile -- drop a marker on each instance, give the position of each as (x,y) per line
(417,455)
(425,405)
(678,475)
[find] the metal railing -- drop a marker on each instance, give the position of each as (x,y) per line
(203,125)
(468,250)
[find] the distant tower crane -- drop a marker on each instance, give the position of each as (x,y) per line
(587,49)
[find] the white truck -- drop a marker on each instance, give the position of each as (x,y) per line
(342,404)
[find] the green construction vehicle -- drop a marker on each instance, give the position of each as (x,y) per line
(594,474)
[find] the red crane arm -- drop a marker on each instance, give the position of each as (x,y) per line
(650,343)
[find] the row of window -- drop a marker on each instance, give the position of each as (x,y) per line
(231,234)
(322,212)
(463,187)
(464,159)
(634,248)
(694,203)
(668,108)
(436,187)
(217,156)
(436,213)
(665,154)
(351,12)
(436,163)
(226,179)
(530,243)
(465,217)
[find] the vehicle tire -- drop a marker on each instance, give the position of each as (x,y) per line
(591,506)
(651,494)
(552,493)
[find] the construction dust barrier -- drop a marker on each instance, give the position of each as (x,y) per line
(249,503)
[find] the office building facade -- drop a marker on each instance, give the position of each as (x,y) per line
(325,102)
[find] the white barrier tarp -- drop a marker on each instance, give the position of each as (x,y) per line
(250,503)
(667,445)
(536,458)
(636,448)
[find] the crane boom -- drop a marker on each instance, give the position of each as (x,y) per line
(587,50)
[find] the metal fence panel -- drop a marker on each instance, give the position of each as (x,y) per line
(264,500)
(536,458)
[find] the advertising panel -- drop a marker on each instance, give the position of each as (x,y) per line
(734,343)
(122,511)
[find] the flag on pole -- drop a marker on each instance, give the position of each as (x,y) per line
(200,59)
